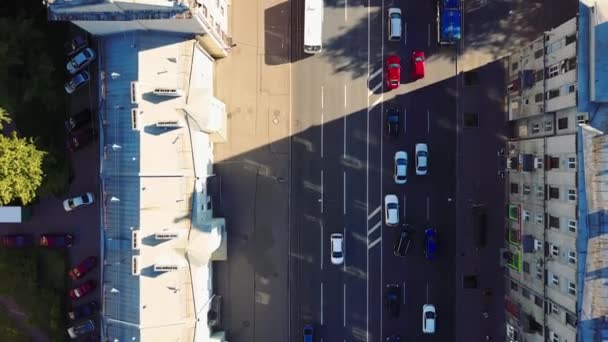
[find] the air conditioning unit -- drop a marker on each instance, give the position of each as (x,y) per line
(135,265)
(135,239)
(538,163)
(168,124)
(165,267)
(510,331)
(173,92)
(134,119)
(166,236)
(134,92)
(538,245)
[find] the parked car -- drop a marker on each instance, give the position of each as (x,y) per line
(417,65)
(80,61)
(430,243)
(309,333)
(77,82)
(337,249)
(402,243)
(400,170)
(56,240)
(391,210)
(16,241)
(81,329)
(394,24)
(393,300)
(429,317)
(74,122)
(393,72)
(393,338)
(83,268)
(84,310)
(78,201)
(422,159)
(82,290)
(75,45)
(392,121)
(80,138)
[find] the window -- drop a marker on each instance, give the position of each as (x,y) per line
(553,337)
(514,188)
(514,66)
(535,128)
(538,97)
(526,215)
(572,257)
(571,319)
(571,288)
(527,189)
(538,75)
(572,194)
(218,29)
(525,293)
(562,123)
(554,250)
(553,71)
(570,39)
(552,308)
(540,218)
(572,226)
(526,267)
(514,286)
(571,88)
(539,272)
(555,280)
(548,126)
(581,119)
(538,301)
(540,191)
(553,192)
(572,163)
(205,11)
(211,21)
(553,222)
(554,162)
(571,63)
(223,10)
(526,100)
(538,53)
(553,93)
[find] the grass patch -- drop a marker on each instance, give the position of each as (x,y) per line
(8,331)
(36,279)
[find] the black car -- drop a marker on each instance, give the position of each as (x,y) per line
(78,120)
(75,45)
(392,121)
(402,243)
(83,310)
(80,138)
(393,338)
(81,329)
(392,298)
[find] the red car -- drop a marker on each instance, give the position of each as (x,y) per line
(56,241)
(83,268)
(82,290)
(393,72)
(417,65)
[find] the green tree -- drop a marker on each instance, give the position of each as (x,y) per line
(4,118)
(20,169)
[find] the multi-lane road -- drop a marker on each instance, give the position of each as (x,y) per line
(342,165)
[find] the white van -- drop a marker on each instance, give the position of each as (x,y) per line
(394,24)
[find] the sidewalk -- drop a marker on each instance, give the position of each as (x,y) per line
(253,170)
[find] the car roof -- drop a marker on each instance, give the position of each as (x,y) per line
(393,59)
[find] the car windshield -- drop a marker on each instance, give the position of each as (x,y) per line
(401,162)
(392,206)
(84,199)
(393,65)
(429,315)
(395,15)
(419,59)
(337,254)
(422,153)
(71,203)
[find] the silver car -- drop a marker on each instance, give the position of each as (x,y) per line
(422,159)
(77,82)
(81,60)
(400,173)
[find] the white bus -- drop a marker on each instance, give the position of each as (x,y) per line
(313,25)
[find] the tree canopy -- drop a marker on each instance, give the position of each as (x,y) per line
(20,169)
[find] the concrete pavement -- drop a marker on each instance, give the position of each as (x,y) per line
(252,167)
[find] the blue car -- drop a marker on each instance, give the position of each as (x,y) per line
(308,333)
(430,243)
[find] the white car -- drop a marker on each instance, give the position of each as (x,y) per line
(337,249)
(422,159)
(394,24)
(400,172)
(78,201)
(81,60)
(391,210)
(428,318)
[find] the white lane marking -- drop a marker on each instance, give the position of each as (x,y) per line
(369,24)
(374,243)
(322,129)
(372,76)
(404,204)
(428,208)
(427,292)
(428,121)
(345,10)
(321,245)
(321,199)
(345,96)
(344,251)
(374,228)
(404,119)
(344,193)
(344,140)
(377,101)
(428,35)
(321,303)
(404,293)
(371,92)
(344,295)
(322,96)
(369,217)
